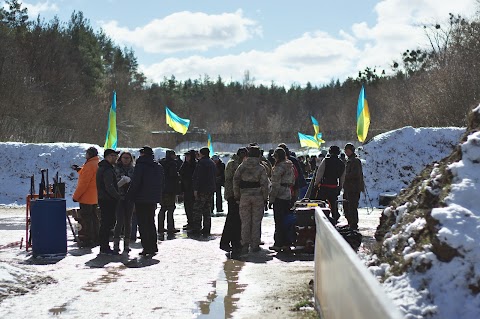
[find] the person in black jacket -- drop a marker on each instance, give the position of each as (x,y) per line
(146,191)
(203,189)
(108,197)
(186,176)
(329,180)
(170,192)
(219,181)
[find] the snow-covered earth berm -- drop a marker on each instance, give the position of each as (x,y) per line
(446,290)
(391,160)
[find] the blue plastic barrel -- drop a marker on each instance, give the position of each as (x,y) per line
(48,227)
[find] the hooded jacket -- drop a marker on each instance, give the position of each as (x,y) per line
(86,191)
(148,181)
(282,179)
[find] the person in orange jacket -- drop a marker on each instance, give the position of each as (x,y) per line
(86,195)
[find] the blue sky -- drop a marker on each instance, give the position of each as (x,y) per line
(287,42)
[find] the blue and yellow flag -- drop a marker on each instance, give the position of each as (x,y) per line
(316,127)
(177,123)
(363,116)
(308,141)
(111,139)
(210,145)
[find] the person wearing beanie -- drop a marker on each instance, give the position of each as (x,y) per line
(203,189)
(231,235)
(329,181)
(250,189)
(86,195)
(353,185)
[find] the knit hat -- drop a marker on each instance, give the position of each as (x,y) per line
(92,151)
(334,150)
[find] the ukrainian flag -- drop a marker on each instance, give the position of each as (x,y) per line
(316,127)
(111,138)
(176,123)
(210,145)
(363,116)
(308,141)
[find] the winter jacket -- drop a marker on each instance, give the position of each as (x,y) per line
(148,181)
(186,175)
(120,171)
(230,169)
(251,179)
(204,176)
(331,172)
(282,179)
(353,175)
(172,178)
(220,173)
(107,188)
(86,192)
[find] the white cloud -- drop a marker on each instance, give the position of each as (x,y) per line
(186,31)
(316,56)
(35,9)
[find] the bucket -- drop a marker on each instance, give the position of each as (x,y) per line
(48,227)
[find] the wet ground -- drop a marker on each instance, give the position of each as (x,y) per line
(188,278)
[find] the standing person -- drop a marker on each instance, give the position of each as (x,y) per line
(108,197)
(219,181)
(283,179)
(329,180)
(300,181)
(146,191)
(124,173)
(353,185)
(186,177)
(86,195)
(313,163)
(250,188)
(203,189)
(170,192)
(231,235)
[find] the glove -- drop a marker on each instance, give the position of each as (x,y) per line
(75,167)
(74,200)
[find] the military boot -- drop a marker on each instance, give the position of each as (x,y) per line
(116,245)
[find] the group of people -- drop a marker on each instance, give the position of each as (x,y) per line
(123,187)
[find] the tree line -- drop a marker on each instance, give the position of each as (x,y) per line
(57,79)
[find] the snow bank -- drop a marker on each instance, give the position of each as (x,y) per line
(391,160)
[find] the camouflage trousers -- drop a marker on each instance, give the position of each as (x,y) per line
(251,215)
(202,208)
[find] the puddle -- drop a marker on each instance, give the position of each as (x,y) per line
(56,311)
(222,301)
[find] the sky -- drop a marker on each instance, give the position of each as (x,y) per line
(288,42)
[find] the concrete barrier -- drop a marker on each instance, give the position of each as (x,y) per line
(344,287)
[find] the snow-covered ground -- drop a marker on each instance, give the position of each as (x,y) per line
(188,268)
